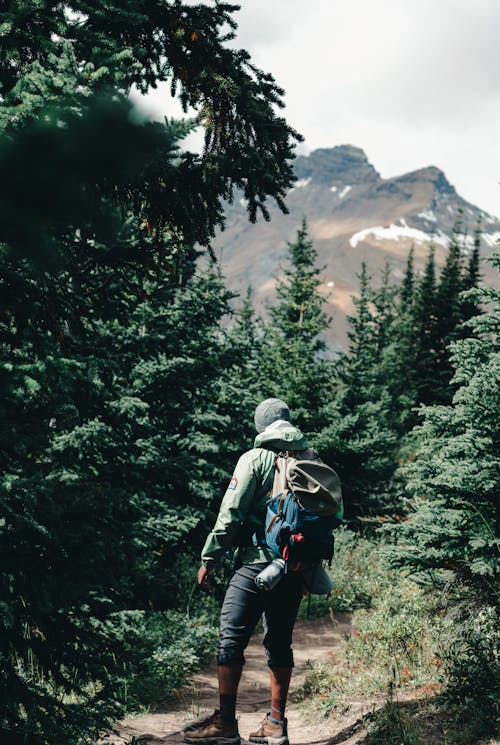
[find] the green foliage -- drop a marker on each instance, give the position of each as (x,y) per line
(161,651)
(361,437)
(396,638)
(110,344)
(451,536)
(54,54)
(239,384)
(399,357)
(454,479)
(394,632)
(110,462)
(471,661)
(292,363)
(423,722)
(402,640)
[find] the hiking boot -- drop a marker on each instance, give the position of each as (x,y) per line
(271,733)
(214,730)
(201,721)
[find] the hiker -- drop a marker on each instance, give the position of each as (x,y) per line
(239,521)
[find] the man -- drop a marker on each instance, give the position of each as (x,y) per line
(241,514)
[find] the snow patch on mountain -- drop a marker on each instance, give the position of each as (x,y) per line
(428,215)
(301,183)
(399,232)
(345,191)
(491,238)
(333,188)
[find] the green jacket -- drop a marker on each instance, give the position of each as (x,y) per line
(244,503)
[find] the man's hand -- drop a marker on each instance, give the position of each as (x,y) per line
(204,576)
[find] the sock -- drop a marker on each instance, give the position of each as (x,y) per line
(277,710)
(227,706)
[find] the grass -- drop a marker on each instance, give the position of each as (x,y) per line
(394,638)
(396,657)
(423,722)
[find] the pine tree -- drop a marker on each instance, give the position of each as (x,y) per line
(439,314)
(239,382)
(112,450)
(110,343)
(425,323)
(448,313)
(398,358)
(360,439)
(293,365)
(406,350)
(408,286)
(57,56)
(471,278)
(451,536)
(456,469)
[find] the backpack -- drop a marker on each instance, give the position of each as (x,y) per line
(304,508)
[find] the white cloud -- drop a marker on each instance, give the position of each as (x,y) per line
(413,84)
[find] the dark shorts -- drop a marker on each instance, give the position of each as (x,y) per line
(244,604)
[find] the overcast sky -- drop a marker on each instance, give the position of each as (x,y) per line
(412,83)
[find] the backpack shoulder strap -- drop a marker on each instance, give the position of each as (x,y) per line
(280,478)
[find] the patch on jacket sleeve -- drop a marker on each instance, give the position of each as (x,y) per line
(233,483)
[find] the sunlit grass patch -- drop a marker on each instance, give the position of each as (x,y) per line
(423,722)
(393,645)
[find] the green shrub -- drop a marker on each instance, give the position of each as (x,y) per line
(424,721)
(471,663)
(394,638)
(357,573)
(163,649)
(391,725)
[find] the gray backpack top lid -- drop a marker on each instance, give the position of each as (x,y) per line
(316,486)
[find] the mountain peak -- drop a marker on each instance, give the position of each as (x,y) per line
(341,165)
(430,174)
(353,215)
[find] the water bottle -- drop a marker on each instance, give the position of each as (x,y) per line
(270,575)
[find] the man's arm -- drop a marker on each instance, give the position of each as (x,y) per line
(233,512)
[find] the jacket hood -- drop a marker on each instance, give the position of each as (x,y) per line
(281,435)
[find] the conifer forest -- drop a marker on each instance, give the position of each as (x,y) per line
(129,374)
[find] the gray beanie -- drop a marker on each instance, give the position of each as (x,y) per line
(270,411)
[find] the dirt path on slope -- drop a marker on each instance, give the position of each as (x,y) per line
(314,641)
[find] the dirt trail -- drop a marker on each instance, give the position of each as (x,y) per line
(314,640)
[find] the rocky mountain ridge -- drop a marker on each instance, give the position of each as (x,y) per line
(353,215)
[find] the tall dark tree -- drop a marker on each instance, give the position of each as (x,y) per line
(471,278)
(239,382)
(293,365)
(408,286)
(405,349)
(451,536)
(110,343)
(425,320)
(398,358)
(448,313)
(56,55)
(360,438)
(439,314)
